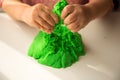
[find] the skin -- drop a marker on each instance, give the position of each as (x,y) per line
(42,17)
(0,3)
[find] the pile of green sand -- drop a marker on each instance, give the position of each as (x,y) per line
(59,49)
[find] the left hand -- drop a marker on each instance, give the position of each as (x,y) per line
(76,17)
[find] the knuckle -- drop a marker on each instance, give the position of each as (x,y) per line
(34,8)
(39,5)
(69,7)
(66,9)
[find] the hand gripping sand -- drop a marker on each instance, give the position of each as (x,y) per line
(61,48)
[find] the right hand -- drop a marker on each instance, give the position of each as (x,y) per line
(41,17)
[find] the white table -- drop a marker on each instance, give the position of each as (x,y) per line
(102,61)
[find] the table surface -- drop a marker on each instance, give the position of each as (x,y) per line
(101,62)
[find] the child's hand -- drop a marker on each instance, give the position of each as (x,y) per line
(75,17)
(41,17)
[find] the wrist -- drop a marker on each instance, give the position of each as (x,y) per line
(99,8)
(91,15)
(24,13)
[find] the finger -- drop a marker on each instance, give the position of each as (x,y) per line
(41,27)
(71,18)
(38,26)
(47,18)
(54,16)
(43,23)
(66,11)
(44,29)
(74,24)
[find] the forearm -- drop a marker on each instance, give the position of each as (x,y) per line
(14,8)
(99,8)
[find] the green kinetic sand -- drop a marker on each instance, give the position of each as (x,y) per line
(59,49)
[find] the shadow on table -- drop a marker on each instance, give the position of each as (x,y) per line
(3,77)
